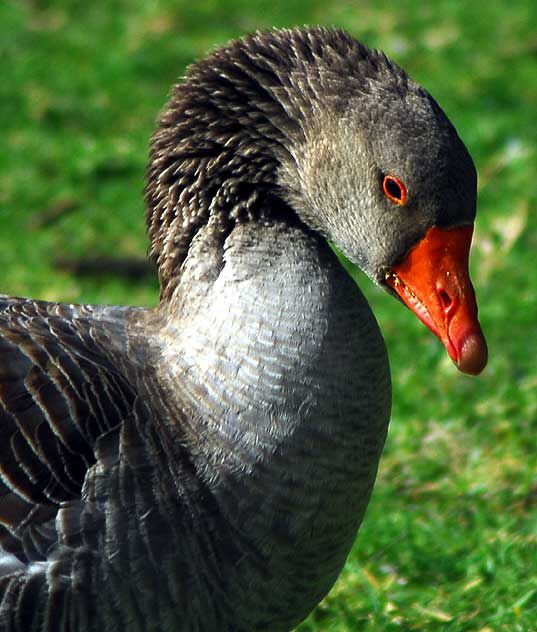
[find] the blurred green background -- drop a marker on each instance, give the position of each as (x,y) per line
(450,539)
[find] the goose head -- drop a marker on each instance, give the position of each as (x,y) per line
(311,125)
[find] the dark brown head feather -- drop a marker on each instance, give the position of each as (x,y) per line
(235,119)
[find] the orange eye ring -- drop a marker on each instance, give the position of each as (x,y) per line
(394,190)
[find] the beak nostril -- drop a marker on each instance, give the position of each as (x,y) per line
(445,300)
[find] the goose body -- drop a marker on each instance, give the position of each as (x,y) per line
(206,465)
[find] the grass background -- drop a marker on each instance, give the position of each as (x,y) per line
(450,538)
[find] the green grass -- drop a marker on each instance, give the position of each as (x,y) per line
(450,539)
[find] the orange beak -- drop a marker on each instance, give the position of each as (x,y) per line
(433,281)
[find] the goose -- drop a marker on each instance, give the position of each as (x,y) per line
(206,464)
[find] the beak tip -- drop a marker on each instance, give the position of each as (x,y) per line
(473,354)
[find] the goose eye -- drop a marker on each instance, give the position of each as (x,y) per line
(394,189)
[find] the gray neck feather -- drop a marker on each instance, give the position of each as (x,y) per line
(281,368)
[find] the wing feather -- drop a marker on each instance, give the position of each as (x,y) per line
(60,391)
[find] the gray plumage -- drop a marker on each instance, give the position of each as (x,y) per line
(206,465)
